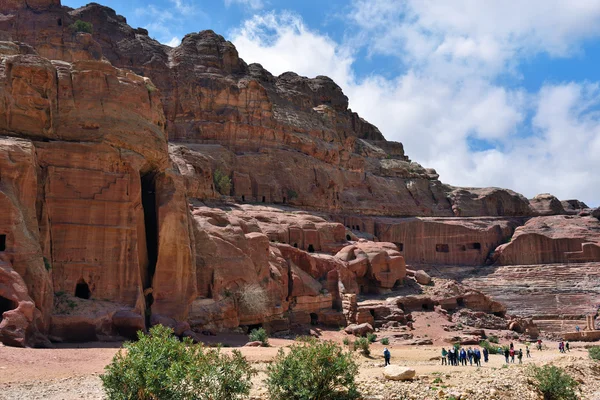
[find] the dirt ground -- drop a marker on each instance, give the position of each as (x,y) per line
(70,372)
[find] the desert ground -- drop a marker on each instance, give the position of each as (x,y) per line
(70,372)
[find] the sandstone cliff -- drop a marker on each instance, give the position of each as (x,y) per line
(109,147)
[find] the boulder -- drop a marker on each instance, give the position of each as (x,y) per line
(422,277)
(128,323)
(359,330)
(398,373)
(256,343)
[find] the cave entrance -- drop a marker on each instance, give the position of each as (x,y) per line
(348,238)
(460,302)
(425,307)
(264,199)
(243,198)
(6,305)
(314,319)
(254,327)
(2,242)
(150,223)
(311,248)
(82,290)
(59,22)
(148,188)
(400,246)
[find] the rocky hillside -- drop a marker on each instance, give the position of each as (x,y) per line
(127,166)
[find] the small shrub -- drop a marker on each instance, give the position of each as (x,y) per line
(292,194)
(259,335)
(159,366)
(313,370)
(494,339)
(492,349)
(222,183)
(304,338)
(385,341)
(371,337)
(253,299)
(346,341)
(82,26)
(554,383)
(437,380)
(362,344)
(47,264)
(594,353)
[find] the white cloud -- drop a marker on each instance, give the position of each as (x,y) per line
(174,42)
(164,23)
(449,95)
(252,4)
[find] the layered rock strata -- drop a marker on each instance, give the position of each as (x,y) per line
(104,229)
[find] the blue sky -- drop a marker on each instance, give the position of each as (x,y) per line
(496,93)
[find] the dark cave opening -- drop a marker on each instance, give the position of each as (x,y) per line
(150,223)
(311,248)
(314,319)
(82,290)
(2,242)
(148,187)
(6,305)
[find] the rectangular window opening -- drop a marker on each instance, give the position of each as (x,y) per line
(442,248)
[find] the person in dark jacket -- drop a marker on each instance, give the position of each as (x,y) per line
(486,354)
(506,354)
(477,356)
(387,355)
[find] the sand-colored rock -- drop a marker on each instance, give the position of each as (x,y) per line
(398,373)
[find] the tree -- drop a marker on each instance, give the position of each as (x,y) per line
(159,366)
(313,370)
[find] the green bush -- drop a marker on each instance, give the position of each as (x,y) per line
(82,26)
(594,353)
(362,344)
(292,194)
(554,383)
(222,182)
(159,366)
(371,337)
(385,341)
(47,264)
(313,370)
(346,341)
(492,349)
(259,335)
(494,339)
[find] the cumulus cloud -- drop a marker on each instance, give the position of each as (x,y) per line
(446,106)
(252,4)
(166,22)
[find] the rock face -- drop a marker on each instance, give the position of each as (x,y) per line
(554,239)
(126,167)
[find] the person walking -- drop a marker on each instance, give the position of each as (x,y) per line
(486,354)
(512,346)
(567,347)
(444,356)
(470,355)
(561,346)
(520,356)
(539,344)
(528,352)
(477,356)
(506,354)
(453,356)
(387,355)
(463,357)
(512,355)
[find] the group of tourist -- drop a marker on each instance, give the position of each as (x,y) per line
(510,352)
(563,347)
(460,356)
